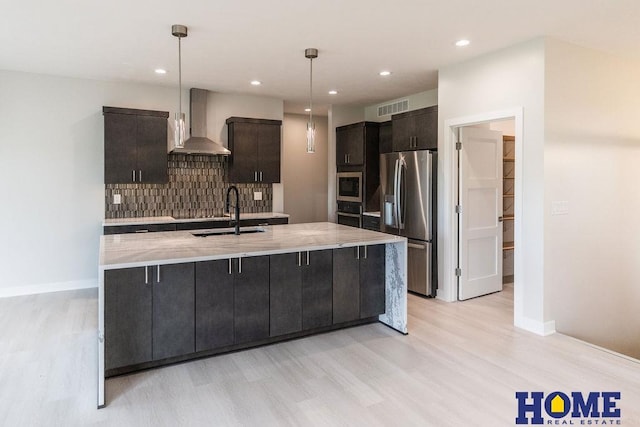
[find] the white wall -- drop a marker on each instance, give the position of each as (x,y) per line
(419,100)
(508,79)
(304,175)
(51,172)
(592,153)
(338,116)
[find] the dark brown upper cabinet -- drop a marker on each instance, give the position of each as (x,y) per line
(415,130)
(386,137)
(255,150)
(353,141)
(135,146)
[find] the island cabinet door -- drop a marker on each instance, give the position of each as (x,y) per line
(346,285)
(285,293)
(251,301)
(173,310)
(214,304)
(317,289)
(127,317)
(372,280)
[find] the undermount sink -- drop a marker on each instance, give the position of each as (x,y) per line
(226,231)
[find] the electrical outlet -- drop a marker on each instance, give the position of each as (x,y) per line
(257,195)
(117,199)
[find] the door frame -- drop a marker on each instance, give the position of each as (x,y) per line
(448,291)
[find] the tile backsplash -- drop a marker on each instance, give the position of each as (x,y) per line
(196,188)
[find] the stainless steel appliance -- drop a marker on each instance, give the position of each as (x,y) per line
(349,187)
(350,213)
(408,208)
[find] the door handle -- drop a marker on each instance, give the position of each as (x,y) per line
(239,265)
(365,252)
(260,176)
(139,176)
(299,259)
(415,246)
(255,176)
(500,219)
(230,271)
(158,274)
(357,252)
(133,175)
(146,274)
(307,257)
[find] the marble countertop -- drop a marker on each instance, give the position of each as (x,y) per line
(141,249)
(112,222)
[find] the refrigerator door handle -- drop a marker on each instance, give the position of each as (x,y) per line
(415,246)
(401,193)
(396,195)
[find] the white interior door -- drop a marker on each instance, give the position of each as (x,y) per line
(480,221)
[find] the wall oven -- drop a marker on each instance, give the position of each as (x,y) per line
(349,187)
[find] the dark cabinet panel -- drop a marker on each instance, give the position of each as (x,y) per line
(371,222)
(251,303)
(135,146)
(173,310)
(372,280)
(317,289)
(255,150)
(346,285)
(243,143)
(214,305)
(127,317)
(285,293)
(199,225)
(141,228)
(120,148)
(386,137)
(350,142)
(152,154)
(415,130)
(269,153)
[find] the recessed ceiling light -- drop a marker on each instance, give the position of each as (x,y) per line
(333,92)
(462,42)
(307,110)
(160,71)
(385,73)
(256,82)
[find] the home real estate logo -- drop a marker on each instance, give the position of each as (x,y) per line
(575,408)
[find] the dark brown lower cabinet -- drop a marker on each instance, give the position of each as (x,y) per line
(251,302)
(214,305)
(358,282)
(317,289)
(127,317)
(173,310)
(300,291)
(372,280)
(346,285)
(285,294)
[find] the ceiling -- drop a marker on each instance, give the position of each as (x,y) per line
(231,43)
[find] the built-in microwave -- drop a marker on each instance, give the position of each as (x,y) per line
(349,187)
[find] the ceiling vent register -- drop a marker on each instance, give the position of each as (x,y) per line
(393,108)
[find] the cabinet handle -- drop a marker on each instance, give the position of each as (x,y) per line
(260,176)
(357,252)
(299,259)
(158,275)
(365,252)
(255,176)
(146,274)
(139,176)
(133,175)
(345,158)
(239,265)
(307,257)
(230,272)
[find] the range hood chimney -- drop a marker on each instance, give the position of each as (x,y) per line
(198,143)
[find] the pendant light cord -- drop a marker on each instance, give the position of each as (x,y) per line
(180,77)
(311,91)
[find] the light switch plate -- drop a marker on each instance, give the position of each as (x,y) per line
(257,195)
(560,207)
(117,199)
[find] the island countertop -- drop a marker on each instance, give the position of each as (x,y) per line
(135,250)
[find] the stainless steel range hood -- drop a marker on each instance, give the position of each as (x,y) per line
(198,143)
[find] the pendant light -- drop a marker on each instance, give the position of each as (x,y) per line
(311,53)
(180,135)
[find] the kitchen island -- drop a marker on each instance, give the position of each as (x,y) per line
(166,297)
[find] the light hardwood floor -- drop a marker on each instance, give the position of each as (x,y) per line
(460,365)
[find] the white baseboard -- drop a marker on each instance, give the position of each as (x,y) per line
(42,288)
(538,328)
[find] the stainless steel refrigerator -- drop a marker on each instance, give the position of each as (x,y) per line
(408,208)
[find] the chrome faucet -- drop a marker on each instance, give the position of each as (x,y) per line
(237,207)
